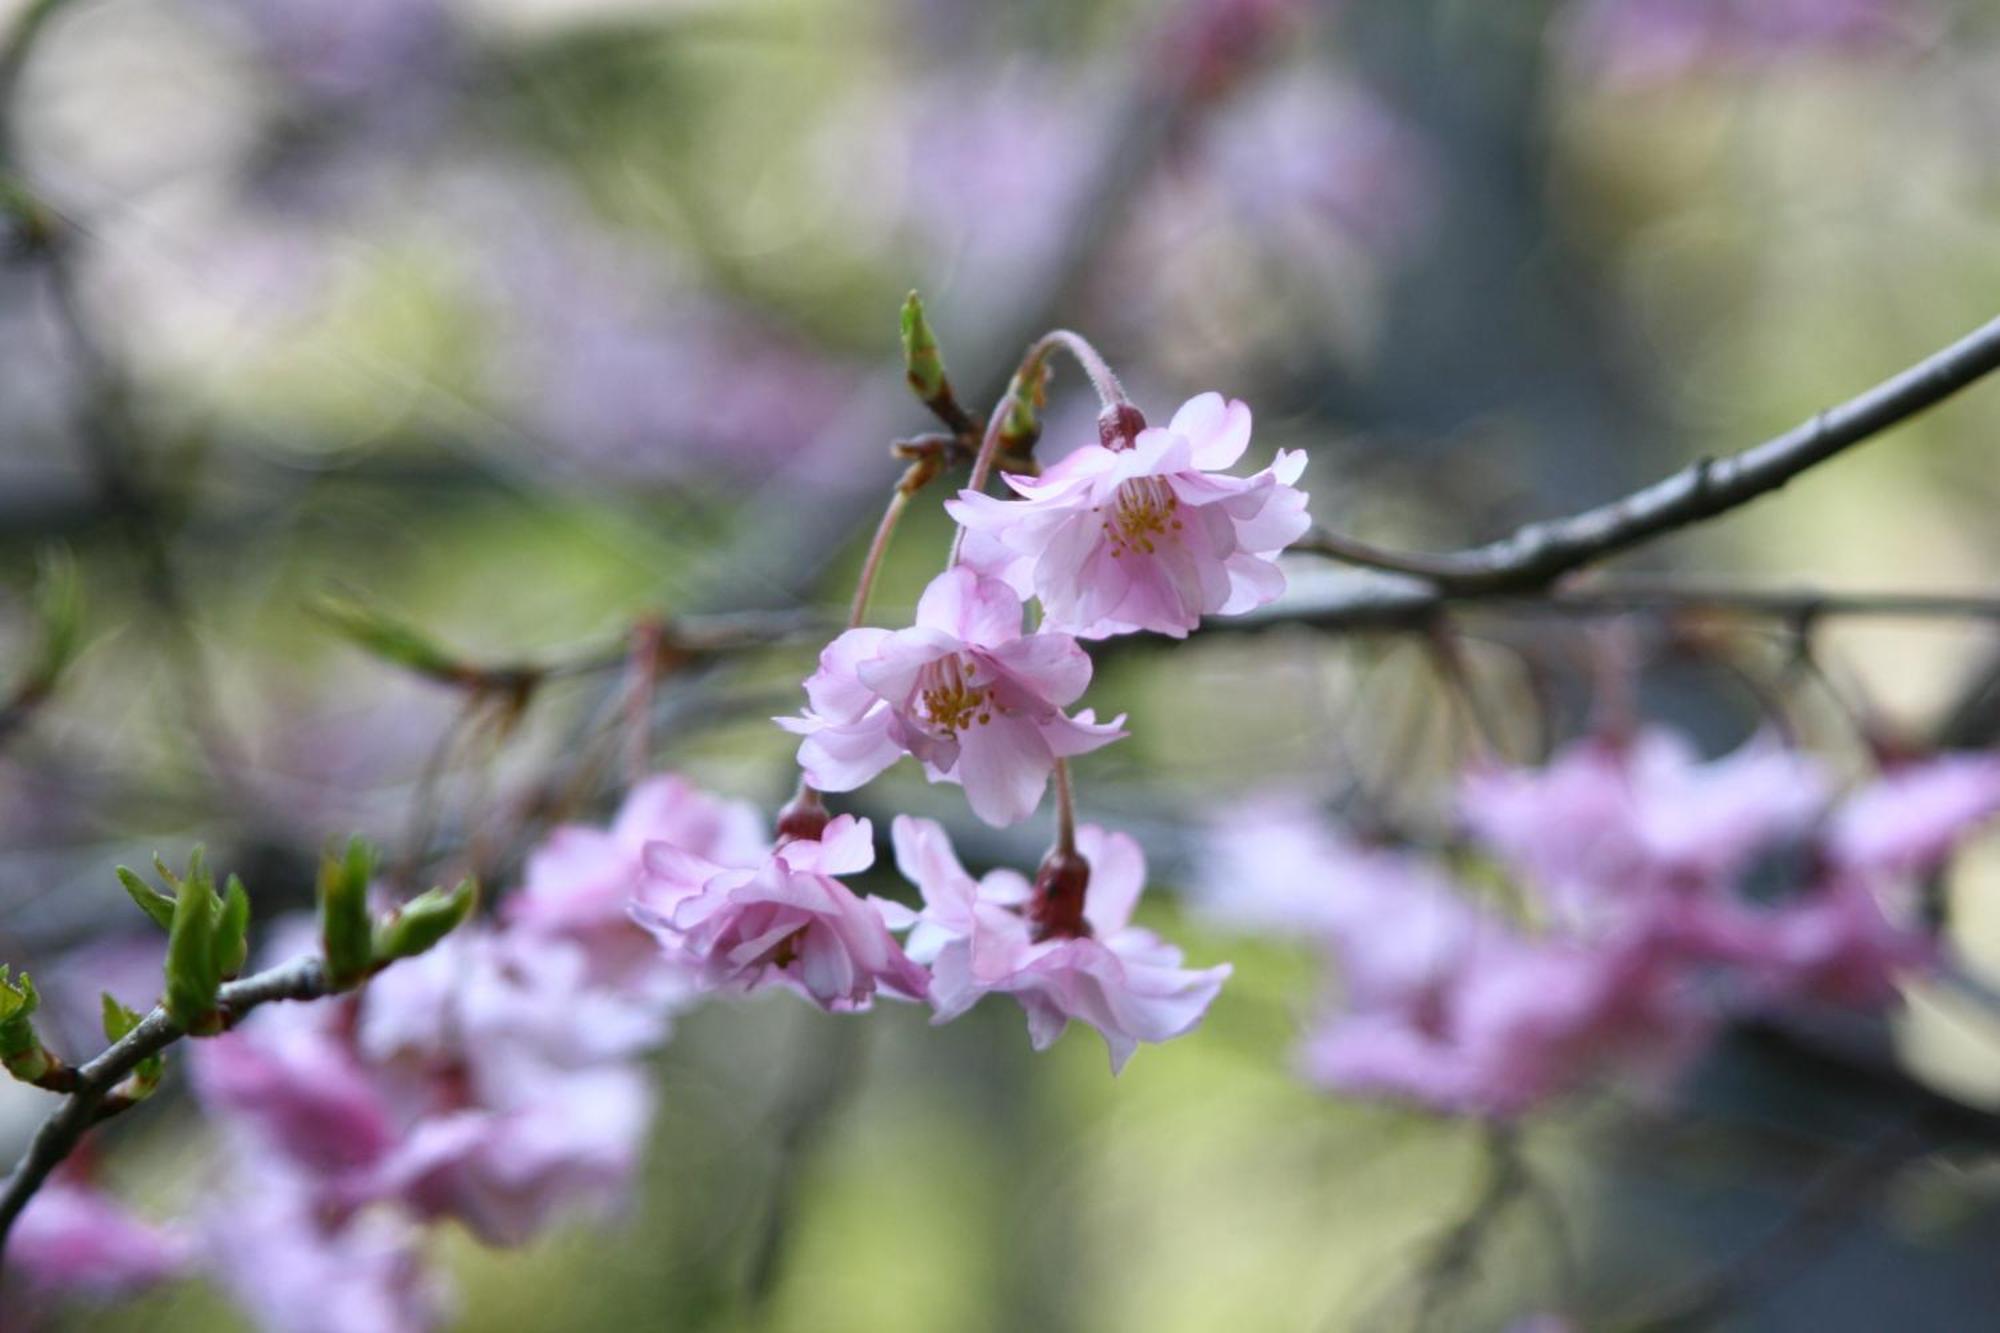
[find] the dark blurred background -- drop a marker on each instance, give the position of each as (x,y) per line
(525,319)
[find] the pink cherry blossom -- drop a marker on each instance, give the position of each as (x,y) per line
(1153,537)
(1120,979)
(787,921)
(72,1241)
(294,1269)
(1837,942)
(566,1143)
(489,1080)
(1915,815)
(493,1002)
(1638,43)
(964,691)
(1450,1007)
(1276,864)
(581,880)
(298,1089)
(1604,826)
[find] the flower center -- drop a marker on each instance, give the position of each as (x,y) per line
(949,696)
(1143,508)
(786,951)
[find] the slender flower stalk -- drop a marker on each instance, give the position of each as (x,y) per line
(1065,811)
(877,548)
(805,815)
(1109,391)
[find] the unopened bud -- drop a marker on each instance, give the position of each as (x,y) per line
(1056,909)
(1118,425)
(1027,393)
(923,368)
(923,365)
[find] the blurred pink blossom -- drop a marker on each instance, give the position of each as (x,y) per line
(1641,925)
(975,700)
(1641,42)
(74,1242)
(1152,537)
(490,1080)
(1606,825)
(299,1090)
(605,343)
(1447,1005)
(294,1269)
(1834,942)
(509,1167)
(785,922)
(1276,864)
(498,1008)
(1302,156)
(1916,814)
(580,882)
(1121,979)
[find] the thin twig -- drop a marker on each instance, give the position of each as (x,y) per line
(1381,601)
(1536,555)
(300,979)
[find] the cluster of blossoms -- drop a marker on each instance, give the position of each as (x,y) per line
(1654,895)
(1143,531)
(495,1081)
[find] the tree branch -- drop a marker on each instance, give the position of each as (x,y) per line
(1413,585)
(301,979)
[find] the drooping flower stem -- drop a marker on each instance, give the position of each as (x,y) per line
(1110,393)
(1027,375)
(1065,810)
(804,817)
(877,548)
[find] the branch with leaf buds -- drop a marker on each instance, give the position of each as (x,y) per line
(207,946)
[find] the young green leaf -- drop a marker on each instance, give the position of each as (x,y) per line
(157,905)
(383,636)
(21,1051)
(232,930)
(118,1024)
(420,923)
(193,972)
(344,928)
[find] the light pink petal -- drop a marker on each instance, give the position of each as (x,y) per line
(1117,877)
(1004,769)
(1052,667)
(962,605)
(892,673)
(1218,432)
(847,846)
(844,758)
(835,691)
